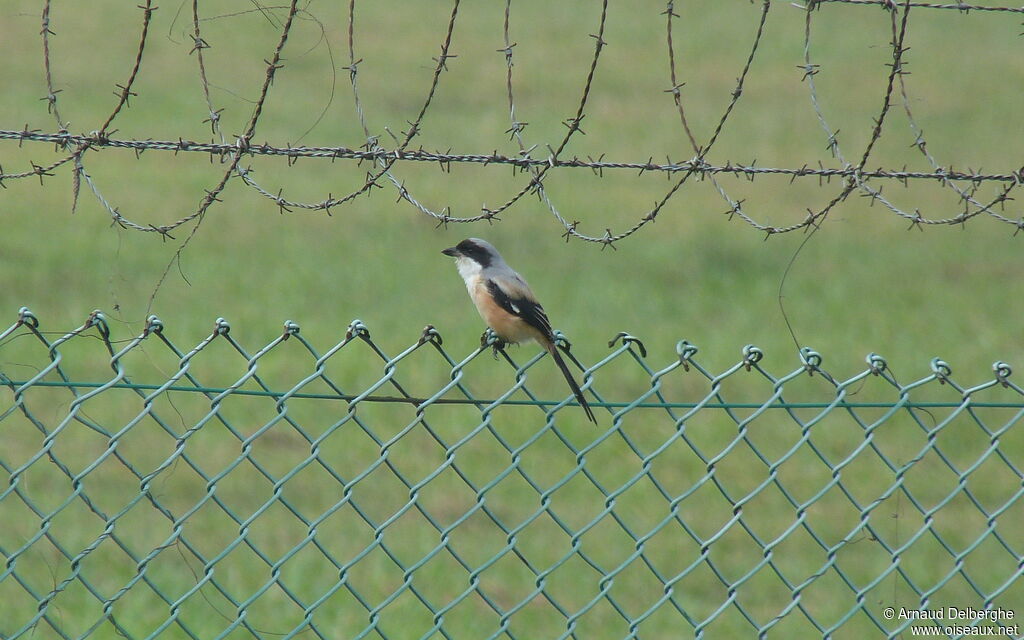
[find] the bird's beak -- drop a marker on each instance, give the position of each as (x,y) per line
(451,251)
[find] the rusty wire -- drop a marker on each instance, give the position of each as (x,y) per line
(535,165)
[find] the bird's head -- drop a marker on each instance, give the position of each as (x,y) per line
(474,250)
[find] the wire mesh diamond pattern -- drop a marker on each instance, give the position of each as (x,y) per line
(158,491)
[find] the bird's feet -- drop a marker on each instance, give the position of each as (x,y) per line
(497,345)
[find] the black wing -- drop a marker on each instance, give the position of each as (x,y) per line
(531,312)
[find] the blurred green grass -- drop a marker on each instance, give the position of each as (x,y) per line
(863,283)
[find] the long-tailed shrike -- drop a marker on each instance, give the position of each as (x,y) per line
(507,304)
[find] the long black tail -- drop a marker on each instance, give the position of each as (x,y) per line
(553,350)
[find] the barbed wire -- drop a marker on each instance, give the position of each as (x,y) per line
(536,161)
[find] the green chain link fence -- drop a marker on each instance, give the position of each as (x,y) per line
(154,492)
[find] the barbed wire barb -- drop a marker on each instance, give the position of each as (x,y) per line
(976,191)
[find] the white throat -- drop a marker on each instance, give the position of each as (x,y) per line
(468,268)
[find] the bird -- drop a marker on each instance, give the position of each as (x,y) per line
(507,304)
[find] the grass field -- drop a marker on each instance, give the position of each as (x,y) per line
(864,282)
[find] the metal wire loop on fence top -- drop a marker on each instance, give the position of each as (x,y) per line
(537,159)
(280,490)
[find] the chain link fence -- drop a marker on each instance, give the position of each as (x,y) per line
(152,490)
